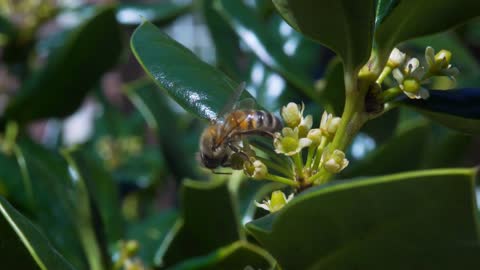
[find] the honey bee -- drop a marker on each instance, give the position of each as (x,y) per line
(222,138)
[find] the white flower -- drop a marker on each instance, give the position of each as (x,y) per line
(410,78)
(329,124)
(334,162)
(289,143)
(396,58)
(278,201)
(292,114)
(255,169)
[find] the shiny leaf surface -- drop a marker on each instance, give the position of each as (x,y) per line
(407,220)
(324,20)
(411,18)
(198,87)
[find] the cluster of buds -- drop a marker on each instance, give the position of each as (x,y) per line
(298,135)
(410,75)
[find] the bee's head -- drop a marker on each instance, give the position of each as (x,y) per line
(211,154)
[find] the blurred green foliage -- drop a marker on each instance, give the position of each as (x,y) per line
(131,194)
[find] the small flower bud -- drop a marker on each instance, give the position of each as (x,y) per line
(315,135)
(442,58)
(255,169)
(292,114)
(277,201)
(335,162)
(396,58)
(329,124)
(304,126)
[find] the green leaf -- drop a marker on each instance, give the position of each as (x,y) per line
(154,107)
(332,87)
(409,220)
(219,229)
(102,191)
(395,155)
(264,43)
(23,246)
(408,19)
(239,255)
(198,87)
(86,216)
(446,148)
(456,109)
(345,26)
(150,232)
(59,88)
(136,13)
(48,174)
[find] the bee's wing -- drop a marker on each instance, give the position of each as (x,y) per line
(230,105)
(245,104)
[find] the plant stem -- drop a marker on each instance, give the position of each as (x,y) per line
(353,118)
(282,180)
(385,72)
(390,94)
(311,152)
(297,159)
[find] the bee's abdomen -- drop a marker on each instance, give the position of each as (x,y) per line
(262,121)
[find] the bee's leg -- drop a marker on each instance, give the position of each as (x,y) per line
(238,158)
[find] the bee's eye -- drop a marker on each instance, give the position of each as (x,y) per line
(209,162)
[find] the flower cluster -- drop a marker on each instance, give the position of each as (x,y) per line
(410,75)
(299,172)
(299,134)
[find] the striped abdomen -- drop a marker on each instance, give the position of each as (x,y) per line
(252,122)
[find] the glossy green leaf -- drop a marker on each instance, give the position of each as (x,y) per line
(409,220)
(395,155)
(136,13)
(58,89)
(48,173)
(264,44)
(384,8)
(411,18)
(456,109)
(86,215)
(332,87)
(153,105)
(103,192)
(239,255)
(150,232)
(446,148)
(195,235)
(7,30)
(23,246)
(345,26)
(198,87)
